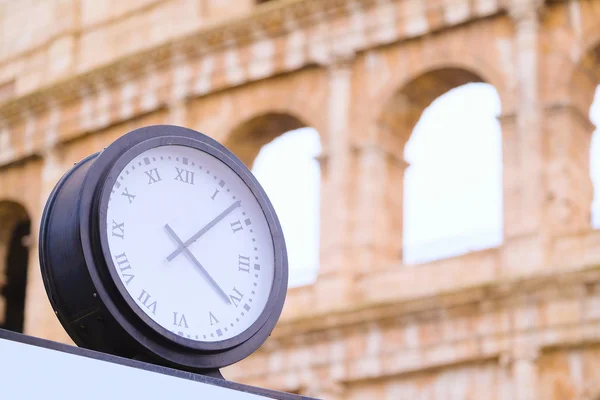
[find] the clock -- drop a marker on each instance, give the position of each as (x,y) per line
(164,247)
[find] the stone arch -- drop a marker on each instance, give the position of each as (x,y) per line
(404,107)
(294,189)
(246,139)
(15,240)
(300,95)
(468,66)
(395,125)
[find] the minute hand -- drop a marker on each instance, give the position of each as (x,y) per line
(204,230)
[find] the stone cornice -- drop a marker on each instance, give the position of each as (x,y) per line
(269,20)
(497,294)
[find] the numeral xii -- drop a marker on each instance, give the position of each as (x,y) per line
(184,176)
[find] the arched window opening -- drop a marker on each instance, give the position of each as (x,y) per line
(453,186)
(289,172)
(282,151)
(15,232)
(595,160)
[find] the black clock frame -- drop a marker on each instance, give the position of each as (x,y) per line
(81,281)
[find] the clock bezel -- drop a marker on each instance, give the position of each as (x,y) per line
(207,146)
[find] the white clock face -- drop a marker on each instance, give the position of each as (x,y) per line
(190,243)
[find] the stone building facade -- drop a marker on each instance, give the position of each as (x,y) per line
(521,321)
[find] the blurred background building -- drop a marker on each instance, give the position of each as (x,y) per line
(429,159)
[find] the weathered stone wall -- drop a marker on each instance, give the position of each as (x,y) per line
(521,321)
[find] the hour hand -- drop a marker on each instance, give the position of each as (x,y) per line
(188,253)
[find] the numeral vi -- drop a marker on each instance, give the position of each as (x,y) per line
(179,320)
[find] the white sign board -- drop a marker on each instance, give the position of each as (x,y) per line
(35,372)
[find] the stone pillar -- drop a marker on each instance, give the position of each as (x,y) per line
(181,83)
(524,370)
(378,223)
(568,134)
(335,274)
(523,156)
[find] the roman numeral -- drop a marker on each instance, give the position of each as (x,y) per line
(118,230)
(153,176)
(130,197)
(236,226)
(184,176)
(234,297)
(145,299)
(244,263)
(212,318)
(214,194)
(179,321)
(123,265)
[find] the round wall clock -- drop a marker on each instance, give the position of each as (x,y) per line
(165,248)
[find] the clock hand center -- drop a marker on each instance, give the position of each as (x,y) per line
(188,253)
(183,245)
